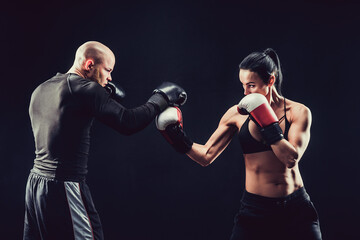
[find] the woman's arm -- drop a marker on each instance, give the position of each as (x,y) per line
(290,151)
(219,140)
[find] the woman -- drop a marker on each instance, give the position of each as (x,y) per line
(274,136)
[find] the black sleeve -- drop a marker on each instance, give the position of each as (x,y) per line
(96,102)
(125,121)
(113,114)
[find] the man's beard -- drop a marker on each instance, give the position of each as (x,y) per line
(96,76)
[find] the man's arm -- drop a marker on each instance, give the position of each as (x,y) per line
(129,121)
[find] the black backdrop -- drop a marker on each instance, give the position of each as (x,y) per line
(140,186)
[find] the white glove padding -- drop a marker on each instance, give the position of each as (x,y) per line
(171,115)
(263,115)
(259,108)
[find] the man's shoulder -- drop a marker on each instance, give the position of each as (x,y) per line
(49,83)
(81,85)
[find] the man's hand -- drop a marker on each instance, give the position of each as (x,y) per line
(117,93)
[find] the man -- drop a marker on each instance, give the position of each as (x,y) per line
(58,201)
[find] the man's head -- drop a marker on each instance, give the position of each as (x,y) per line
(94,61)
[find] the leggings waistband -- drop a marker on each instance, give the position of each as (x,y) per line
(296,196)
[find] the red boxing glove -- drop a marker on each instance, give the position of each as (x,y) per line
(263,115)
(170,124)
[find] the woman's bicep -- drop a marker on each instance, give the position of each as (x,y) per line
(299,132)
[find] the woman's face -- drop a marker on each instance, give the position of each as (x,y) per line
(252,83)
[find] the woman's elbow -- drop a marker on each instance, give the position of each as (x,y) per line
(291,159)
(200,154)
(290,164)
(209,158)
(204,162)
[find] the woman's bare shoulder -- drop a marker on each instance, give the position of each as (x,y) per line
(297,110)
(233,117)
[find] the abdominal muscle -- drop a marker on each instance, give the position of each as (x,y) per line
(267,176)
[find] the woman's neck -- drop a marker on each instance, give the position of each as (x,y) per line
(275,99)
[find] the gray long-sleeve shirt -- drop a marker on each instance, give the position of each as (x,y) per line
(62,110)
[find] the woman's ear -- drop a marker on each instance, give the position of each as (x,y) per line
(271,80)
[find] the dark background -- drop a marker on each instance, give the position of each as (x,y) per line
(143,189)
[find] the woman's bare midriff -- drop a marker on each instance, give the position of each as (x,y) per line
(267,176)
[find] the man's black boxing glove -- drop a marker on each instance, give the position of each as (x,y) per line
(168,94)
(173,93)
(117,93)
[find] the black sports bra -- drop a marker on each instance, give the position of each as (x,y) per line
(251,145)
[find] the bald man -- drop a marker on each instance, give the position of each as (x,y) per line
(58,203)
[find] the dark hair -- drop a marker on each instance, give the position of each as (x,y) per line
(264,64)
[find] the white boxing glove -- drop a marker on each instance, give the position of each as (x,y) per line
(171,115)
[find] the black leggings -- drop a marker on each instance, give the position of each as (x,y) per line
(291,217)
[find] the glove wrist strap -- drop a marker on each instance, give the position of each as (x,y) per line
(272,133)
(177,138)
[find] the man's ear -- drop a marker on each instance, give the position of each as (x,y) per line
(89,64)
(271,80)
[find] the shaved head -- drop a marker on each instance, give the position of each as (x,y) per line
(94,61)
(92,50)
